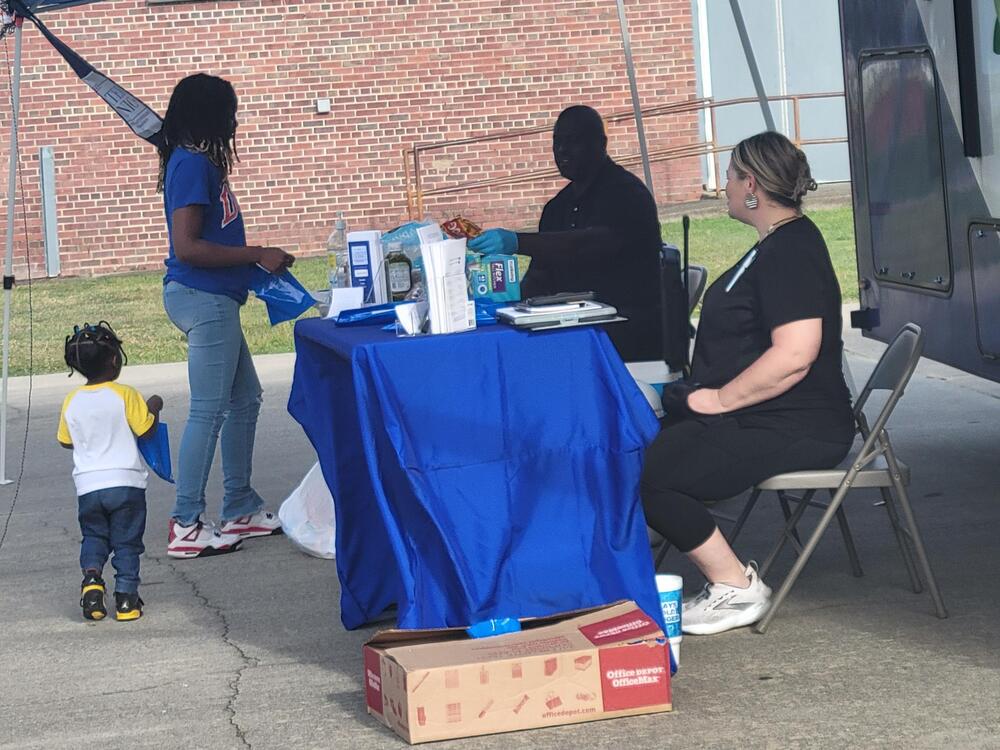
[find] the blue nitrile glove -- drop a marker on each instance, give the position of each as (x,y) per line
(494,242)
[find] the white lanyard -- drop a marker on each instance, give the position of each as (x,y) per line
(740,270)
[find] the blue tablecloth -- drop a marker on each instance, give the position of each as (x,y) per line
(484,474)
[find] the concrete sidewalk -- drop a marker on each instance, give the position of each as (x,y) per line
(247,650)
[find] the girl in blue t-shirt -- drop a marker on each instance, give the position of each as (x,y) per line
(208,274)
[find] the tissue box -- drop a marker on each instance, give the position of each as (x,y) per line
(429,685)
(494,277)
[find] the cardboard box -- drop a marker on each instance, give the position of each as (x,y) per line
(431,685)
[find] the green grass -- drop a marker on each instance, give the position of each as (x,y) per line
(717,242)
(133,304)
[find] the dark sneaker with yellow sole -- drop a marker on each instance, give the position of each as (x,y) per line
(92,597)
(127,606)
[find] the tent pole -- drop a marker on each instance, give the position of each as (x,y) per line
(758,84)
(9,255)
(640,131)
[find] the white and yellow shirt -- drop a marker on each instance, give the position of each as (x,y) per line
(101,422)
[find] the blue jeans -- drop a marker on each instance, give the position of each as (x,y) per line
(113,519)
(225,396)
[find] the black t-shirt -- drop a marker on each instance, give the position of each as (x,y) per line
(785,277)
(623,273)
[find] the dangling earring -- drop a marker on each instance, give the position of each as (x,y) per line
(750,201)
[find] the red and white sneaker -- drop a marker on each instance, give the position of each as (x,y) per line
(199,540)
(260,523)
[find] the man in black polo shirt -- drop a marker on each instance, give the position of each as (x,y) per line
(599,233)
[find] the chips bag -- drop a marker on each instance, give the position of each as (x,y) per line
(459,228)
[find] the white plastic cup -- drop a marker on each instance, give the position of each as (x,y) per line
(670,588)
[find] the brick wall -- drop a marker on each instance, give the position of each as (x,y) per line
(398,72)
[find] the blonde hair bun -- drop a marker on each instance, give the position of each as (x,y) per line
(780,167)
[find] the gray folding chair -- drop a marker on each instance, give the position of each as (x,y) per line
(697,279)
(873,466)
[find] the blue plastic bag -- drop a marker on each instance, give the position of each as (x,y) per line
(155,450)
(496,626)
(285,297)
(369,315)
(486,311)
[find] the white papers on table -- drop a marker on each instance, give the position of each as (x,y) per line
(429,233)
(345,298)
(444,275)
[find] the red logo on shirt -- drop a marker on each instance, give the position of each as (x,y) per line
(230,208)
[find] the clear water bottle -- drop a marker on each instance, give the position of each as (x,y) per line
(338,270)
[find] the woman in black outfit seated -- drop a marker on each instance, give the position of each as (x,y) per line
(767,392)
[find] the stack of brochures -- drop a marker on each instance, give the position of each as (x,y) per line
(451,310)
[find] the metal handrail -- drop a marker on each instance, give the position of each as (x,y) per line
(415,193)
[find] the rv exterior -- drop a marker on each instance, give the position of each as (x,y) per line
(922,86)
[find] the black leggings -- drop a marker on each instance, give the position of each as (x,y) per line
(713,458)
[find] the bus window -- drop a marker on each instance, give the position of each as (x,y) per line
(904,170)
(984,249)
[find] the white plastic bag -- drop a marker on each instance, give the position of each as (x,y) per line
(308,518)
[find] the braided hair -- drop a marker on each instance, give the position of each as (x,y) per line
(201,117)
(91,350)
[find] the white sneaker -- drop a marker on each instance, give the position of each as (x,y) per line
(199,540)
(720,607)
(260,523)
